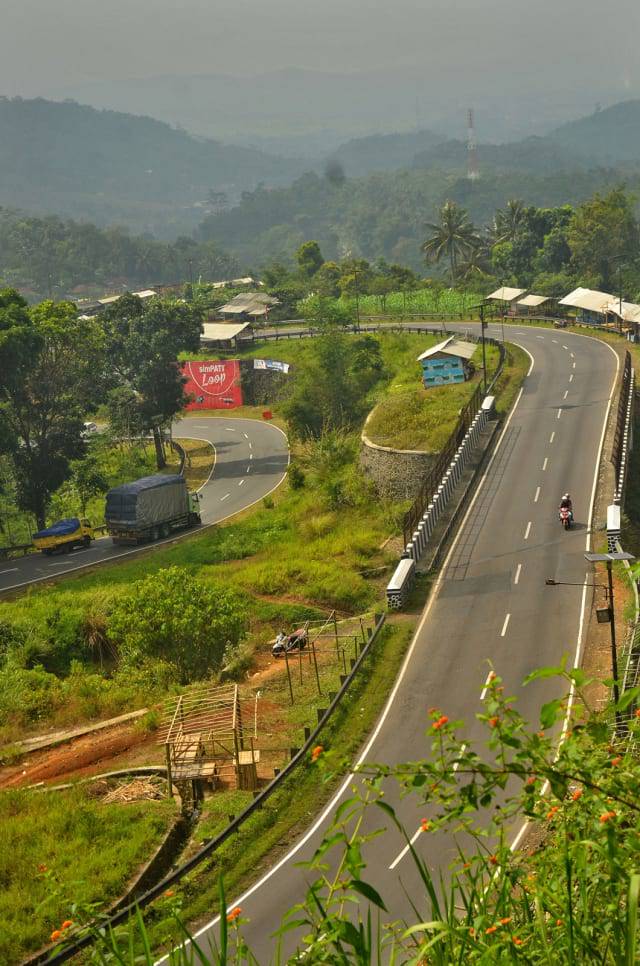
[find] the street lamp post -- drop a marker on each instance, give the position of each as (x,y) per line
(608,616)
(484,354)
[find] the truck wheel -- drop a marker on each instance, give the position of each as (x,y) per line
(155,534)
(165,530)
(86,541)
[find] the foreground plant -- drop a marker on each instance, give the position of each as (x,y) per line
(571,896)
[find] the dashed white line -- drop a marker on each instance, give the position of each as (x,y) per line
(505,625)
(566,347)
(571,378)
(11,570)
(572,355)
(250,456)
(246,436)
(555,340)
(552,437)
(574,365)
(539,337)
(559,413)
(535,499)
(250,446)
(544,465)
(516,579)
(566,393)
(527,531)
(248,470)
(483,693)
(241,482)
(224,497)
(228,429)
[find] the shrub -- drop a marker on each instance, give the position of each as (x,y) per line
(296,477)
(176,617)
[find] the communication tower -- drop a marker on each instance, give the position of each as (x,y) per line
(472,149)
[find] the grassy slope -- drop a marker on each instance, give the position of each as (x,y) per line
(91,851)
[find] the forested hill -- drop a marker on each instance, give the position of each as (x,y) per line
(110,167)
(383,152)
(383,215)
(610,135)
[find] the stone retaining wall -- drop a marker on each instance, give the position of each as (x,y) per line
(396,473)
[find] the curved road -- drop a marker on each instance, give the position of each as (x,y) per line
(251,460)
(490,603)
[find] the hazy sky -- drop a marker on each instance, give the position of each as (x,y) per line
(46,45)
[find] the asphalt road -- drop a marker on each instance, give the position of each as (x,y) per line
(490,604)
(251,460)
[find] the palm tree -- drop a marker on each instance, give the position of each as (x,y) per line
(453,236)
(509,221)
(477,264)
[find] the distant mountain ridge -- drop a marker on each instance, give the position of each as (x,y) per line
(71,159)
(610,135)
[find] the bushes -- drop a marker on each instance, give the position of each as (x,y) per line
(176,617)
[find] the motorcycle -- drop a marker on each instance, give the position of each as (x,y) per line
(284,643)
(566,517)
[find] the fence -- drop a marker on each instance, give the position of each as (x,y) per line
(298,757)
(622,439)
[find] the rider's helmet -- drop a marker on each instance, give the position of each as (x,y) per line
(566,496)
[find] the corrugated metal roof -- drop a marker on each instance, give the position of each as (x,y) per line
(628,312)
(506,294)
(451,347)
(222,331)
(249,302)
(534,300)
(587,298)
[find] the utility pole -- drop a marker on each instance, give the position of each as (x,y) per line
(484,354)
(355,276)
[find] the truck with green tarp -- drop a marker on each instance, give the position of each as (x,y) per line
(150,509)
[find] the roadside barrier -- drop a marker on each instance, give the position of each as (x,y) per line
(623,437)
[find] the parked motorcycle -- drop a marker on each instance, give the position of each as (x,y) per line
(290,642)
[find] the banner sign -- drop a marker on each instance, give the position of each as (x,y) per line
(212,384)
(271,364)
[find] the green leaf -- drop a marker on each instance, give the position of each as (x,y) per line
(632,917)
(627,698)
(549,713)
(544,672)
(366,890)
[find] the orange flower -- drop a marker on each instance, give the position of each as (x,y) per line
(55,935)
(472,931)
(637,712)
(494,722)
(169,893)
(559,922)
(552,811)
(316,752)
(531,780)
(42,868)
(442,720)
(467,865)
(493,859)
(577,794)
(490,929)
(516,941)
(234,914)
(606,816)
(425,825)
(505,921)
(616,761)
(67,924)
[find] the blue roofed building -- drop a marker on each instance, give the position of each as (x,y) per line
(446,363)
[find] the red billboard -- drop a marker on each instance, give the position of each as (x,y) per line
(213,384)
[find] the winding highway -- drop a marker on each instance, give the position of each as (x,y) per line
(490,603)
(251,460)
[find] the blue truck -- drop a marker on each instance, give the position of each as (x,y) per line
(150,509)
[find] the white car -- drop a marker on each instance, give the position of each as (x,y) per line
(89,428)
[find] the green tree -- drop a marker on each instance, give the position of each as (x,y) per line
(309,258)
(43,412)
(326,279)
(174,617)
(509,221)
(452,236)
(322,312)
(143,344)
(603,233)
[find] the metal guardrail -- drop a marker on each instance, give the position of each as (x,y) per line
(122,915)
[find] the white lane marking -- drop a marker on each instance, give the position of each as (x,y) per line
(200,426)
(248,470)
(535,499)
(566,347)
(571,378)
(229,430)
(566,393)
(11,570)
(527,531)
(559,413)
(574,365)
(250,446)
(577,659)
(488,681)
(392,696)
(539,337)
(241,482)
(224,497)
(555,340)
(516,579)
(505,625)
(60,563)
(552,437)
(250,456)
(571,353)
(416,835)
(246,436)
(544,465)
